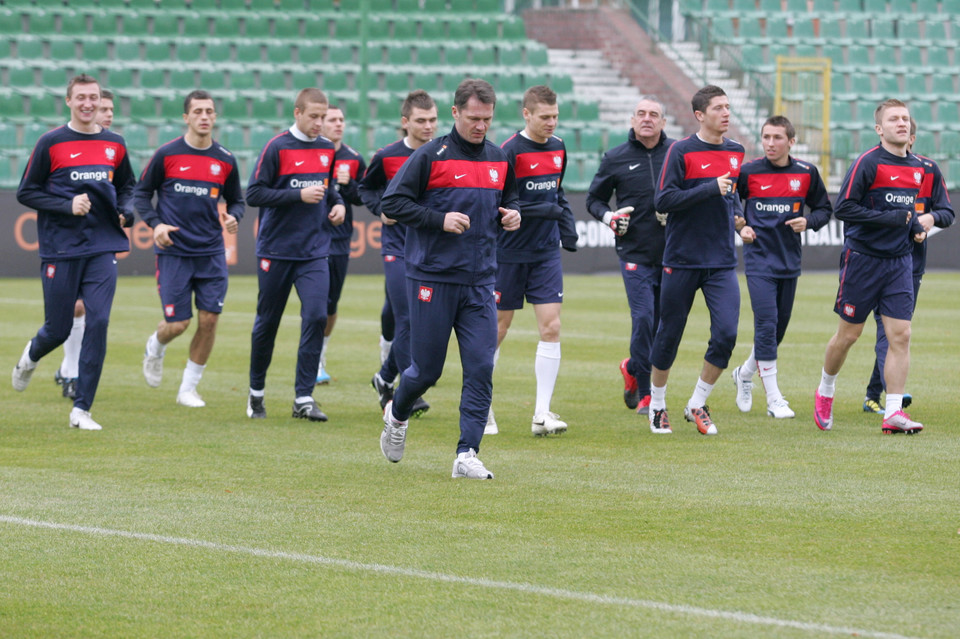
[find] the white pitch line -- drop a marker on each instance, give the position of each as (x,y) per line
(526,588)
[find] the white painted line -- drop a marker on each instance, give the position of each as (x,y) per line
(530,589)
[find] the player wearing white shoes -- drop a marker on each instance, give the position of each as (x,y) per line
(528,260)
(774,190)
(80,182)
(189,175)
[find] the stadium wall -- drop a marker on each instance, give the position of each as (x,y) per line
(18,244)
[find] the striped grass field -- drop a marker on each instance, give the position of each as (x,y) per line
(176,522)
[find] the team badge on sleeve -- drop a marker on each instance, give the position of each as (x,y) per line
(426,294)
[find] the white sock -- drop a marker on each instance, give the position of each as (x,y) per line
(303,399)
(700,394)
(385,346)
(191,376)
(658,397)
(894,403)
(70,367)
(154,347)
(496,356)
(546,366)
(827,384)
(749,368)
(768,377)
(323,352)
(257,393)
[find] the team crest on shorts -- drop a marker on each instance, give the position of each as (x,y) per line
(849,310)
(425,294)
(265,266)
(389,258)
(50,271)
(630,266)
(169,310)
(496,296)
(667,270)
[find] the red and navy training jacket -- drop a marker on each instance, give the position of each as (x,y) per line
(772,195)
(539,169)
(384,165)
(700,226)
(935,200)
(341,235)
(450,174)
(878,203)
(289,228)
(189,183)
(64,164)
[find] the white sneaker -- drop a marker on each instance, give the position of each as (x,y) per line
(467,465)
(191,399)
(491,427)
(547,423)
(152,367)
(81,419)
(780,409)
(744,392)
(23,371)
(384,349)
(394,435)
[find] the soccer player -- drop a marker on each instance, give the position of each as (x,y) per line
(290,184)
(66,375)
(934,209)
(454,194)
(631,171)
(80,182)
(418,117)
(189,175)
(877,206)
(348,168)
(697,190)
(528,260)
(774,190)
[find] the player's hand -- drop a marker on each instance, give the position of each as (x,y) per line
(81,204)
(797,224)
(343,174)
(312,194)
(909,216)
(337,214)
(161,235)
(926,221)
(387,220)
(725,184)
(919,238)
(748,235)
(509,219)
(619,220)
(229,222)
(661,217)
(455,222)
(739,222)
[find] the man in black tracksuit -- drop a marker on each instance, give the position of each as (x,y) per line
(454,194)
(631,170)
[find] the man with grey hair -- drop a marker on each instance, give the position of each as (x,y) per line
(631,171)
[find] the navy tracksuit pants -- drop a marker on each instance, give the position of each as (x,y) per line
(771,299)
(436,308)
(642,283)
(94,280)
(396,285)
(276,278)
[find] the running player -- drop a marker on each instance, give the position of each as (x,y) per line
(774,190)
(290,185)
(189,175)
(80,182)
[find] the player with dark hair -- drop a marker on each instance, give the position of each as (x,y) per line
(774,190)
(528,260)
(290,184)
(418,118)
(454,194)
(348,169)
(877,206)
(631,170)
(80,182)
(933,208)
(697,191)
(189,175)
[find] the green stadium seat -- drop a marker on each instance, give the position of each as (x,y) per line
(908,30)
(11,23)
(231,136)
(338,53)
(936,32)
(925,143)
(861,84)
(426,80)
(226,26)
(46,108)
(249,53)
(857,30)
(12,106)
(29,48)
(143,108)
(432,29)
(771,6)
(513,29)
(235,111)
(484,55)
(219,53)
(461,6)
(864,112)
(169,131)
(22,80)
(588,111)
(830,31)
(590,140)
(43,23)
(271,81)
(280,53)
(397,53)
(172,110)
(233,6)
(310,53)
(186,51)
(126,49)
(388,107)
(451,80)
(264,108)
(63,49)
(883,29)
(396,82)
(488,6)
(950,142)
(257,26)
(487,29)
(509,82)
(9,136)
(304,79)
(434,6)
(347,27)
(136,136)
(875,6)
(938,58)
(456,29)
(244,81)
(841,144)
(135,25)
(403,28)
(208,6)
(213,80)
(73,23)
(196,26)
(32,132)
(384,135)
(562,84)
(154,82)
(888,86)
(286,27)
(911,58)
(165,25)
(118,78)
(156,51)
(334,81)
(260,134)
(537,57)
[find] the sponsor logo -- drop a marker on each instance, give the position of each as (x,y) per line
(90,175)
(894,177)
(298,163)
(425,294)
(494,176)
(849,310)
(457,177)
(773,208)
(190,189)
(734,163)
(900,198)
(169,310)
(442,149)
(110,152)
(540,186)
(219,303)
(764,188)
(302,184)
(76,155)
(265,265)
(215,168)
(560,294)
(794,185)
(50,271)
(214,192)
(630,266)
(704,166)
(184,168)
(633,166)
(496,294)
(533,166)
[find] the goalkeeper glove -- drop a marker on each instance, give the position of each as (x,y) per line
(618,220)
(661,217)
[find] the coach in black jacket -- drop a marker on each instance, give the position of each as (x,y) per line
(631,170)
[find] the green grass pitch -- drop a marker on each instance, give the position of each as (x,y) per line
(176,522)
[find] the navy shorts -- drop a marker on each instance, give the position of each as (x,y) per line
(179,278)
(541,282)
(868,283)
(338,274)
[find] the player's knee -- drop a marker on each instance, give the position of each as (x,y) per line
(550,331)
(175,329)
(207,322)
